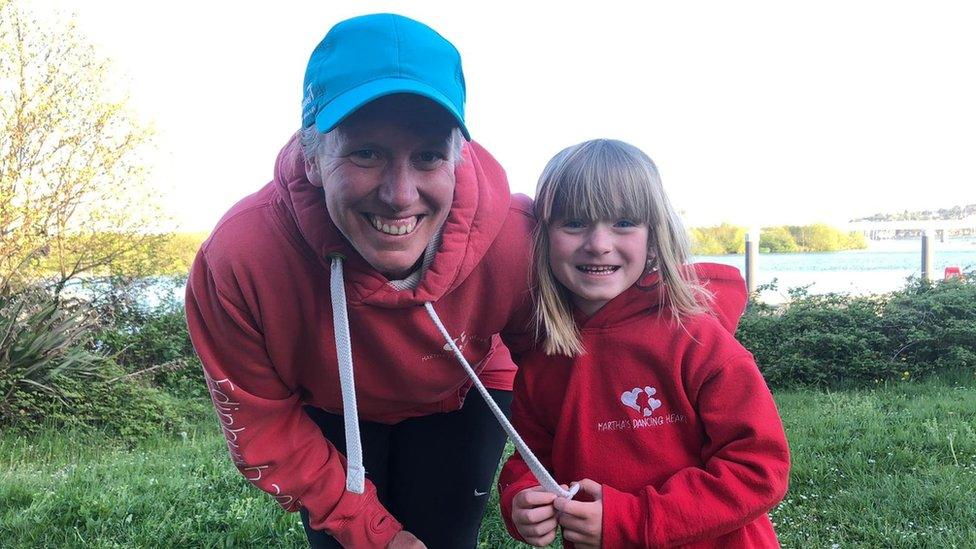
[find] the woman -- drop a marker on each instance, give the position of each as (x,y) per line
(335,391)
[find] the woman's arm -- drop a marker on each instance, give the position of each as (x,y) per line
(271,440)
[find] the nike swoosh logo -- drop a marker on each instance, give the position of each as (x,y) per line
(479,494)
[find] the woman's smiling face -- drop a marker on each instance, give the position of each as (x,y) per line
(597,260)
(389,181)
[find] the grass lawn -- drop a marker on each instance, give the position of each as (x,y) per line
(894,466)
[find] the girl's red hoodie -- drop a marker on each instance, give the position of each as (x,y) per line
(675,422)
(259,314)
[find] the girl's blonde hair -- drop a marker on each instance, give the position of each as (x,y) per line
(605,179)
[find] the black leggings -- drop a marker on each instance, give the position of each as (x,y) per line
(433,473)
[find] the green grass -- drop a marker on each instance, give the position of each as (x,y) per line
(891,466)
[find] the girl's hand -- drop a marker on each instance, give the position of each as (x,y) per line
(582,521)
(534,516)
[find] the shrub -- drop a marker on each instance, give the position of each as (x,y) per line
(41,346)
(52,374)
(145,331)
(838,340)
(934,325)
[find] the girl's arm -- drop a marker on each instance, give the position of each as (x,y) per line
(745,468)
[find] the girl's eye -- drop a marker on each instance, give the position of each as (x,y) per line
(573,224)
(625,223)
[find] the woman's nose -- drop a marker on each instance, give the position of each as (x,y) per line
(399,187)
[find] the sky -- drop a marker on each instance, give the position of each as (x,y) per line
(756,113)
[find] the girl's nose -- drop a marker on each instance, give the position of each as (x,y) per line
(598,240)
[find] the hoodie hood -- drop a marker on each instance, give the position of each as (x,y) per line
(481,188)
(724,282)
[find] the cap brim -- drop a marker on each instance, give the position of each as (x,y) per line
(348,102)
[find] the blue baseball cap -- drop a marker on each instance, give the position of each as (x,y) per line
(371,56)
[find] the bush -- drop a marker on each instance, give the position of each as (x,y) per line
(838,340)
(116,407)
(145,331)
(41,345)
(53,373)
(934,325)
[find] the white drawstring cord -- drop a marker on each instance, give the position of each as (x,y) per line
(355,472)
(540,472)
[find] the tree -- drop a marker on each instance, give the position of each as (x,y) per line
(721,239)
(73,198)
(777,240)
(824,238)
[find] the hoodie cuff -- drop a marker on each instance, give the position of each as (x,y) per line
(373,527)
(624,519)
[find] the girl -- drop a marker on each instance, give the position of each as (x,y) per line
(639,392)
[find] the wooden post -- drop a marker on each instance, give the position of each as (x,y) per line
(752,257)
(927,244)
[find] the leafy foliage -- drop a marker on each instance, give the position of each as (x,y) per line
(839,340)
(721,239)
(73,197)
(53,373)
(41,340)
(730,239)
(777,240)
(824,238)
(148,337)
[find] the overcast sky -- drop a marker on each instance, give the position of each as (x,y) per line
(756,113)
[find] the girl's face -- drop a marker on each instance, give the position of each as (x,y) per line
(597,260)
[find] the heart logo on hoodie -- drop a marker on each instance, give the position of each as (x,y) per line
(631,398)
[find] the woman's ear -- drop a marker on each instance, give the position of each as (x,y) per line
(312,172)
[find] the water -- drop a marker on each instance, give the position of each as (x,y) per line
(884,267)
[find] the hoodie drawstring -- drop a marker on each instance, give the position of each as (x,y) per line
(355,472)
(540,472)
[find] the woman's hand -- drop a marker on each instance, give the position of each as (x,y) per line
(534,516)
(405,540)
(582,521)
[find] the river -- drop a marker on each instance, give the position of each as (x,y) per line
(883,267)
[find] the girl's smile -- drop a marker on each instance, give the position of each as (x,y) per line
(597,260)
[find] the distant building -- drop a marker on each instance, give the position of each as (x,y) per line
(910,229)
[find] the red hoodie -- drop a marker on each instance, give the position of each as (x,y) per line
(260,318)
(675,422)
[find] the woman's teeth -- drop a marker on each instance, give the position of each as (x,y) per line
(394,227)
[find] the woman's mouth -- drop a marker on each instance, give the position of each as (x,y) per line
(393,226)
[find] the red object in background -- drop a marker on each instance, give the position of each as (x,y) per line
(952,272)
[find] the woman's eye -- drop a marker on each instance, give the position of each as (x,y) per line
(574,224)
(366,158)
(365,154)
(625,223)
(428,159)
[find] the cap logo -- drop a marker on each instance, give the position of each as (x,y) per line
(307,100)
